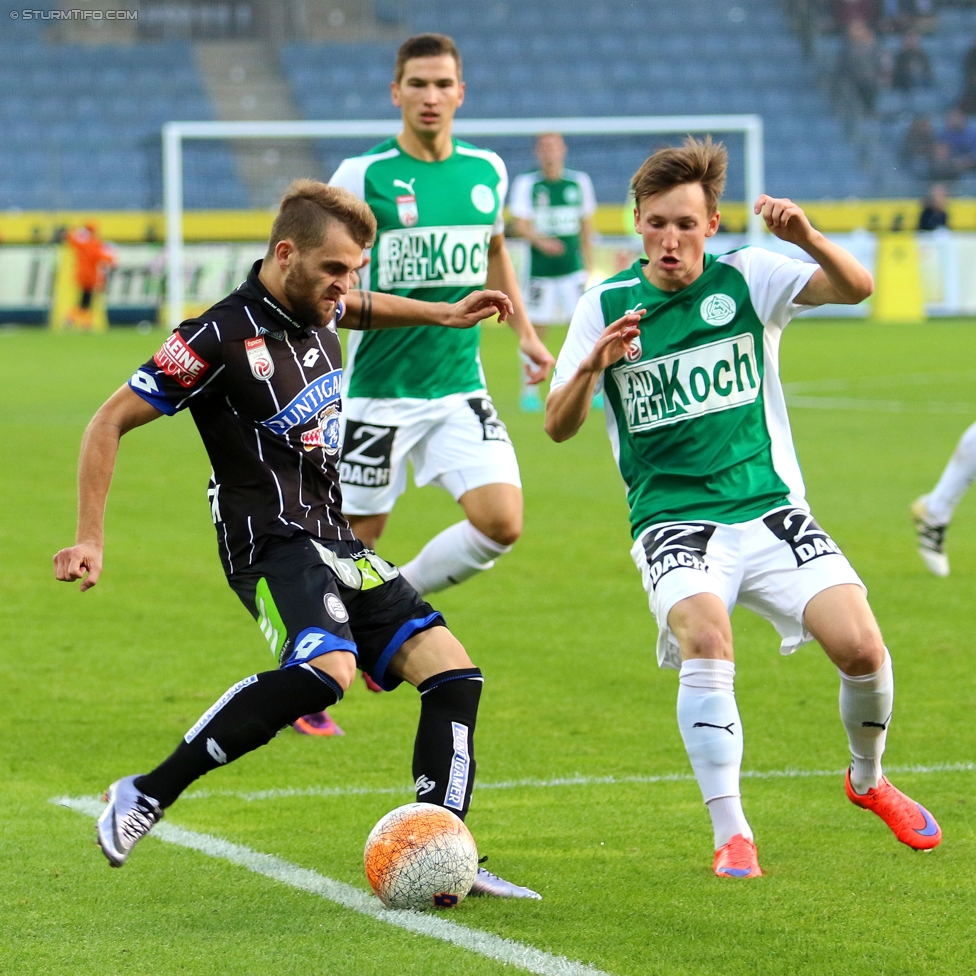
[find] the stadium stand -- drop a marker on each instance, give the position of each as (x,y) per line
(546,57)
(82,122)
(879,137)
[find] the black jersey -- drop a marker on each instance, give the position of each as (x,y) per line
(264,392)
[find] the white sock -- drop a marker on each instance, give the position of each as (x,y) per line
(712,731)
(959,474)
(451,557)
(865,709)
(524,386)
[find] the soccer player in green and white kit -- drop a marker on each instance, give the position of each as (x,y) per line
(553,209)
(686,346)
(438,203)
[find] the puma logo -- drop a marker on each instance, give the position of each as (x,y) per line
(406,186)
(876,725)
(708,725)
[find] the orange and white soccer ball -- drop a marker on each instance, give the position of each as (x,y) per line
(421,856)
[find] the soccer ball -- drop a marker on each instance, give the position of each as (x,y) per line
(420,856)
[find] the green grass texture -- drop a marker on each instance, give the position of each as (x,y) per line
(98,685)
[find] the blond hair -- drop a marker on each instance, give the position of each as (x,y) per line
(696,161)
(307,209)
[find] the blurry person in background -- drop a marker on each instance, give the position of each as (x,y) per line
(912,68)
(553,209)
(862,66)
(918,148)
(935,209)
(92,256)
(960,140)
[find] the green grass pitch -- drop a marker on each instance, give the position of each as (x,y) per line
(100,685)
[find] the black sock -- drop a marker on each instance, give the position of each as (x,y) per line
(443,754)
(243,718)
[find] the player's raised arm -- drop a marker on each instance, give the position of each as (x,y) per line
(501,275)
(366,310)
(841,278)
(123,411)
(568,405)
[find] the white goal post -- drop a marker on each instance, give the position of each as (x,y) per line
(174,134)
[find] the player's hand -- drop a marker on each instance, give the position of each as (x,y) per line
(73,563)
(614,342)
(784,218)
(533,347)
(552,246)
(477,306)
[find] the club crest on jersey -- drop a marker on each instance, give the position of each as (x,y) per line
(407,203)
(483,198)
(634,351)
(325,434)
(259,359)
(718,309)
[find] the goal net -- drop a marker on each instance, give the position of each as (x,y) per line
(624,141)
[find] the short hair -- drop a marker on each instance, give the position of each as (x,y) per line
(307,209)
(425,46)
(696,161)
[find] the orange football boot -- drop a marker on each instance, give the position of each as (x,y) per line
(737,859)
(909,821)
(318,723)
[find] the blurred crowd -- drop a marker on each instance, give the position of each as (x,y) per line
(868,62)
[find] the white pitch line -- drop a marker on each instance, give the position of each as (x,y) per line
(878,406)
(483,943)
(577,780)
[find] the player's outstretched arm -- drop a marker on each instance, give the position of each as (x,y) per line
(501,275)
(568,406)
(377,310)
(123,411)
(841,278)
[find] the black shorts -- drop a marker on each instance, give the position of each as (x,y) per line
(311,596)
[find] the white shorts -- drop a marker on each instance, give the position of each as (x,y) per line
(458,442)
(773,565)
(552,301)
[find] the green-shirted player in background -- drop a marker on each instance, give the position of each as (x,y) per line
(687,348)
(553,209)
(438,203)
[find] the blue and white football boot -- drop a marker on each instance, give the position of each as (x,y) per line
(129,816)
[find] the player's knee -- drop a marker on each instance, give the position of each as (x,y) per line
(503,528)
(861,652)
(709,642)
(338,665)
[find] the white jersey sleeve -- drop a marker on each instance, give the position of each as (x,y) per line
(499,226)
(584,331)
(520,202)
(774,282)
(589,195)
(351,175)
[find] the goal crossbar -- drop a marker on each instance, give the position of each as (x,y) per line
(175,133)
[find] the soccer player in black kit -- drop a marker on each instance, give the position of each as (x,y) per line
(261,372)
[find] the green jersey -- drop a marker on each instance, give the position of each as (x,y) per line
(695,411)
(434,224)
(557,208)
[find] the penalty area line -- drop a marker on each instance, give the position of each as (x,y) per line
(485,944)
(576,780)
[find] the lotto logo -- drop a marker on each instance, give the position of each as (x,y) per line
(178,360)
